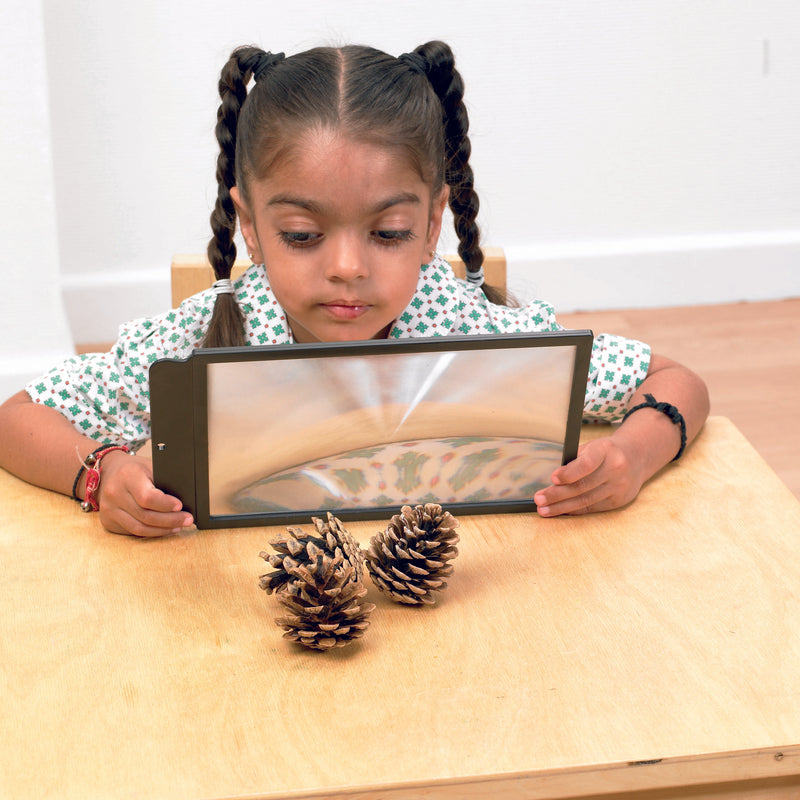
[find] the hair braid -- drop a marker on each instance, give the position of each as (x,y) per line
(464,203)
(226,328)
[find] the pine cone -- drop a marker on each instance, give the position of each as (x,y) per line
(331,537)
(322,599)
(410,558)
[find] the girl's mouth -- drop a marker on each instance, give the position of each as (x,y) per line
(346,309)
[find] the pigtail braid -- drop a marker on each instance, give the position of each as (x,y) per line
(226,328)
(464,203)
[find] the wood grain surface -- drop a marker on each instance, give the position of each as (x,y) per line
(632,652)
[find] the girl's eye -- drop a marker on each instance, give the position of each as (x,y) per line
(299,238)
(393,237)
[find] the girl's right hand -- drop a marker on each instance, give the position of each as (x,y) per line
(130,503)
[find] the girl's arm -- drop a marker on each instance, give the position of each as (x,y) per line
(609,472)
(41,446)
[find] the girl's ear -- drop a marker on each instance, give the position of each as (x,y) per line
(247,226)
(438,205)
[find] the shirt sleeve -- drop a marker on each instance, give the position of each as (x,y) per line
(106,396)
(618,367)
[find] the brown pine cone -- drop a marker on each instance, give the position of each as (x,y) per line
(323,603)
(331,537)
(409,560)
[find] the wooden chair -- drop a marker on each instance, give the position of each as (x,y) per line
(192,273)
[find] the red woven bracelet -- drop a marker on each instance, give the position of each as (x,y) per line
(92,465)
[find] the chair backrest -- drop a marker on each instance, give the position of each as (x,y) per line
(192,273)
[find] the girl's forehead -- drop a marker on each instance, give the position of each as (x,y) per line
(325,163)
(325,148)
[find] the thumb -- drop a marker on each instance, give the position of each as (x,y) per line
(590,457)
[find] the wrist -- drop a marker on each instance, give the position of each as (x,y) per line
(86,487)
(650,441)
(669,411)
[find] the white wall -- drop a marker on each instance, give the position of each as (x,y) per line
(627,152)
(34,333)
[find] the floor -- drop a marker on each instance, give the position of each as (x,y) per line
(748,354)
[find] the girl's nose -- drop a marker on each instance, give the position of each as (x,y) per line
(347,259)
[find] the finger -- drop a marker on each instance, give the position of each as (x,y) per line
(139,492)
(172,522)
(598,499)
(143,510)
(153,509)
(589,486)
(144,523)
(589,460)
(117,520)
(148,497)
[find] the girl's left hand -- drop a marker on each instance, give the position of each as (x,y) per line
(602,477)
(609,472)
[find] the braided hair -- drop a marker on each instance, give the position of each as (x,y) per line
(436,62)
(227,322)
(414,103)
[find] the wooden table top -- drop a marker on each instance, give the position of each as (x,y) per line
(649,647)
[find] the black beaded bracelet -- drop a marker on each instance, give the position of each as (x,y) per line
(83,468)
(665,408)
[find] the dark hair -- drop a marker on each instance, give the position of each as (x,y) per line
(414,103)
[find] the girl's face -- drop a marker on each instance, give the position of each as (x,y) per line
(342,227)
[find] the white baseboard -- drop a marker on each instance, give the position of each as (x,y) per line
(663,272)
(626,273)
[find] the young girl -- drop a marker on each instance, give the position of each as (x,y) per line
(339,164)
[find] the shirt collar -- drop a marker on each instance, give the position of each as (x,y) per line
(433,309)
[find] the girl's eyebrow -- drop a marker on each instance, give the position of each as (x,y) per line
(315,208)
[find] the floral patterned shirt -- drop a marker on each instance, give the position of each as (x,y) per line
(106,395)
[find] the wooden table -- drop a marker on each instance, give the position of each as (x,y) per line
(627,653)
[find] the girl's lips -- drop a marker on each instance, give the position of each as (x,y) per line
(345,309)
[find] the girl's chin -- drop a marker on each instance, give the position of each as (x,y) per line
(338,333)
